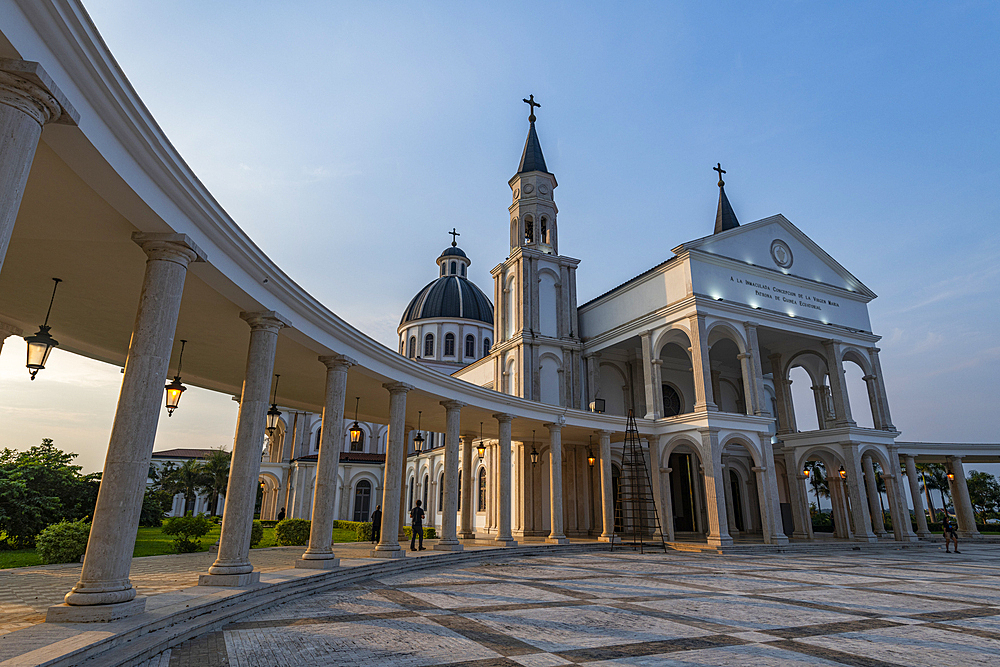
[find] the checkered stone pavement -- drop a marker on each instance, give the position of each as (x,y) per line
(906,607)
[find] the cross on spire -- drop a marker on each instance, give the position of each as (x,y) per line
(531,105)
(718,168)
(454,236)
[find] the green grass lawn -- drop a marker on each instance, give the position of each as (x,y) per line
(152,542)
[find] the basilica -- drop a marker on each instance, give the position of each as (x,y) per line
(703,345)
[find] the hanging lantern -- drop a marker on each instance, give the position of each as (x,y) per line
(805,471)
(273,414)
(418,441)
(591,459)
(481,448)
(534,452)
(843,473)
(951,477)
(41,344)
(176,388)
(356,433)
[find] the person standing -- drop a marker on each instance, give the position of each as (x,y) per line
(376,524)
(417,527)
(281,514)
(950,534)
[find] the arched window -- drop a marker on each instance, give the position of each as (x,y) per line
(529,229)
(427,486)
(545,230)
(429,345)
(482,490)
(463,270)
(486,347)
(460,475)
(470,346)
(319,438)
(413,482)
(671,401)
(440,507)
(412,352)
(362,500)
(359,446)
(449,344)
(442,268)
(454,267)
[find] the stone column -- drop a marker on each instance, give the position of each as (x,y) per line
(901,528)
(467,531)
(232,567)
(960,499)
(593,376)
(819,397)
(749,388)
(657,387)
(758,372)
(556,535)
(449,538)
(782,393)
(871,490)
(652,409)
(767,492)
(918,501)
(856,493)
(28,100)
(883,398)
(607,500)
(842,523)
(666,494)
(874,401)
(104,582)
(838,385)
(701,371)
(798,498)
(395,460)
(319,555)
(728,488)
(504,537)
(715,497)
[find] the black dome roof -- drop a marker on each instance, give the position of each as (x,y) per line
(454,250)
(450,296)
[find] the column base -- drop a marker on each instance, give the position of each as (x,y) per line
(966,535)
(385,553)
(719,541)
(509,542)
(925,534)
(864,538)
(318,564)
(447,546)
(233,580)
(799,535)
(95,613)
(613,539)
(780,541)
(466,536)
(560,539)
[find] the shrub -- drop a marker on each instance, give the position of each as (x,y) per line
(363,532)
(429,533)
(292,532)
(256,533)
(186,531)
(63,542)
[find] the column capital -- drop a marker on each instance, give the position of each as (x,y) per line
(267,320)
(453,405)
(666,471)
(397,387)
(868,378)
(743,355)
(9,330)
(554,428)
(759,469)
(177,248)
(604,432)
(336,362)
(503,417)
(656,361)
(27,87)
(954,459)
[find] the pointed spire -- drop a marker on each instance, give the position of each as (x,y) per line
(725,219)
(531,157)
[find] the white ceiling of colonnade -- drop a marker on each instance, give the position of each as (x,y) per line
(346,139)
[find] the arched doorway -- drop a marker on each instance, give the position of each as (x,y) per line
(362,500)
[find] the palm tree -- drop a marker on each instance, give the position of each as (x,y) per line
(186,479)
(215,473)
(818,481)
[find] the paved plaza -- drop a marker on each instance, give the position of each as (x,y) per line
(895,607)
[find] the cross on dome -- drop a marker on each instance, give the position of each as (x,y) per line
(531,105)
(718,168)
(454,237)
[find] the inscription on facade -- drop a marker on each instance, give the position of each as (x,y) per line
(782,295)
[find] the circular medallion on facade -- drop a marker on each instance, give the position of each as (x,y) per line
(528,187)
(781,253)
(517,193)
(543,189)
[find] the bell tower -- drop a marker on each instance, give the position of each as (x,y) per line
(538,350)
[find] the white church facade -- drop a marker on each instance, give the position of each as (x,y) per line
(703,345)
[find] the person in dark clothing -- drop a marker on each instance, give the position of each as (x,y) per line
(281,514)
(376,523)
(950,534)
(417,527)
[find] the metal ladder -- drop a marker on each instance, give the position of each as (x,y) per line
(637,520)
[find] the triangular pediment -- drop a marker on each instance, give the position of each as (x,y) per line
(775,243)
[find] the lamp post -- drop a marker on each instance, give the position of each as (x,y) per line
(176,388)
(41,344)
(273,414)
(356,432)
(418,442)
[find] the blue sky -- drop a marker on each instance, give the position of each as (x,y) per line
(348,138)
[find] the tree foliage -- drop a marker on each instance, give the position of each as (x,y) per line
(984,491)
(41,486)
(63,542)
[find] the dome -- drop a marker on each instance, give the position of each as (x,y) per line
(451,297)
(453,251)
